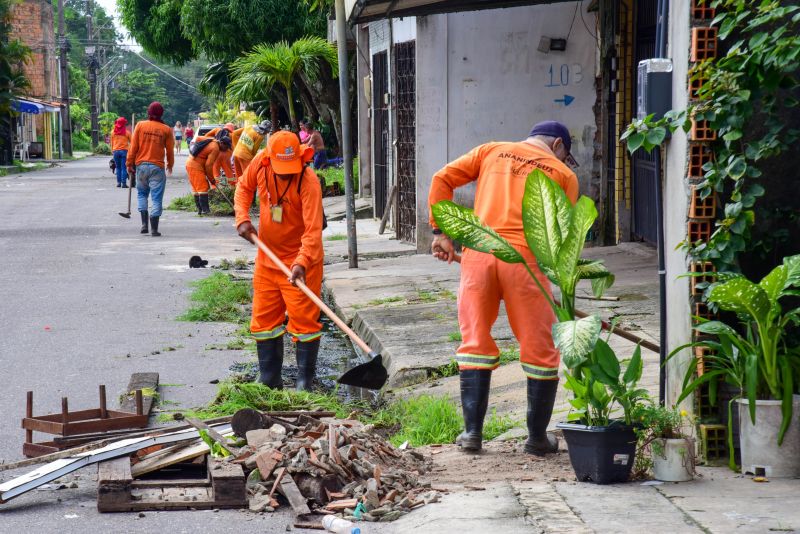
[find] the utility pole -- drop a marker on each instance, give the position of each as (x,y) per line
(347,151)
(66,123)
(91,51)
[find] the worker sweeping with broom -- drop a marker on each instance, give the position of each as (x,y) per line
(500,170)
(203,155)
(248,145)
(290,224)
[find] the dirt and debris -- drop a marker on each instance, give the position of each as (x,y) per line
(335,466)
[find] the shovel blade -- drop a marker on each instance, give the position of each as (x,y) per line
(370,375)
(126,215)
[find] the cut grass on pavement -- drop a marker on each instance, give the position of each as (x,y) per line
(218,298)
(336,237)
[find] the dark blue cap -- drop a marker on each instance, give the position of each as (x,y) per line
(553,129)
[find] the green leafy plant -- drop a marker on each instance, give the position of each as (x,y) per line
(758,362)
(744,96)
(655,423)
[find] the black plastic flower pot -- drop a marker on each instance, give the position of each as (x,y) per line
(600,454)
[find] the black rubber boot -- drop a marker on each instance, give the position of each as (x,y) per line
(154,227)
(197,203)
(306,364)
(270,362)
(474,401)
(144,221)
(541,397)
(204,207)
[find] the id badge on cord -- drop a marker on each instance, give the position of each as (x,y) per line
(277,213)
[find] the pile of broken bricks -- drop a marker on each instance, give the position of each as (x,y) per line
(324,465)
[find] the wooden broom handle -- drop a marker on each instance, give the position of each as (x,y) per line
(310,294)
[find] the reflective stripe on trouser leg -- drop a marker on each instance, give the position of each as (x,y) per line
(540,373)
(477,361)
(268,334)
(478,305)
(304,338)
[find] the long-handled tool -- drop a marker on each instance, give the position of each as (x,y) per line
(370,375)
(127,214)
(608,327)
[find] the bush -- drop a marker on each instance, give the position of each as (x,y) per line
(81,142)
(102,149)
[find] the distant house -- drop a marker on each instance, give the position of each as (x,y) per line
(36,128)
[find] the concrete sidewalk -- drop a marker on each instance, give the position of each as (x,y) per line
(405,308)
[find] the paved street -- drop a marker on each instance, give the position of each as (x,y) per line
(87,300)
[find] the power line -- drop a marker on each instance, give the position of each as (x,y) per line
(165,72)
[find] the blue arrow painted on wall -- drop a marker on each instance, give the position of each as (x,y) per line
(567,100)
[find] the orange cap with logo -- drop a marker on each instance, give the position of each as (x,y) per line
(286,154)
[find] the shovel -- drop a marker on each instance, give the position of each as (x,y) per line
(370,375)
(127,214)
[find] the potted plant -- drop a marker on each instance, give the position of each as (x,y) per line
(671,451)
(602,449)
(769,438)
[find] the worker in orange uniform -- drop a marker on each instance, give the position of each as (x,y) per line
(223,162)
(200,167)
(290,224)
(120,143)
(500,170)
(152,142)
(248,145)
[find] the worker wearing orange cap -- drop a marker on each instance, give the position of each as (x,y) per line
(290,224)
(200,167)
(500,170)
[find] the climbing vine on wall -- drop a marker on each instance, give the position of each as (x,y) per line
(743,96)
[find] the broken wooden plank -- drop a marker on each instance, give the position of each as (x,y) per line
(227,481)
(114,482)
(278,478)
(175,455)
(214,435)
(292,493)
(49,472)
(342,504)
(142,381)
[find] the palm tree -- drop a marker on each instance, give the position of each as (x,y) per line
(254,75)
(219,114)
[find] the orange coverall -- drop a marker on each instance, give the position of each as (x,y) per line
(120,142)
(223,161)
(246,147)
(500,170)
(296,240)
(201,166)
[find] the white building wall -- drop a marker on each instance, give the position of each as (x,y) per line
(481,78)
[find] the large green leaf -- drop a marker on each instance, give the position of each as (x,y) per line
(634,370)
(786,401)
(740,295)
(576,339)
(545,218)
(595,271)
(792,264)
(462,225)
(582,217)
(774,283)
(606,359)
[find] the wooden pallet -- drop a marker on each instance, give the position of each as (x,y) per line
(118,491)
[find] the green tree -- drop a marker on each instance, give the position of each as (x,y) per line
(255,74)
(135,91)
(13,54)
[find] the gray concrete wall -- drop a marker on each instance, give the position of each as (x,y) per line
(363,64)
(676,202)
(481,78)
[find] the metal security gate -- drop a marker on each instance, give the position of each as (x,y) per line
(406,142)
(644,225)
(380,130)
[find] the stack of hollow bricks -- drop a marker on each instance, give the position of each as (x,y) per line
(702,211)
